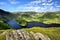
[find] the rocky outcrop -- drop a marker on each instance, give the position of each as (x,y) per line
(25,35)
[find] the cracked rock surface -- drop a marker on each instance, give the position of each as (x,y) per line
(25,35)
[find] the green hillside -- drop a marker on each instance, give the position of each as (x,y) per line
(23,17)
(47,17)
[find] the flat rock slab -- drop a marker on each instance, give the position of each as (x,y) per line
(25,35)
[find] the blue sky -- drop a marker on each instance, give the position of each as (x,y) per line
(30,5)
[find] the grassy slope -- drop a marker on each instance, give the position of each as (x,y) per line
(53,33)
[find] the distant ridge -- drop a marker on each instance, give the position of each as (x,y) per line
(6,14)
(2,12)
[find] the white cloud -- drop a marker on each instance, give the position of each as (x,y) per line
(36,9)
(39,1)
(2,3)
(50,0)
(51,8)
(58,6)
(14,1)
(48,4)
(33,6)
(34,3)
(47,1)
(44,0)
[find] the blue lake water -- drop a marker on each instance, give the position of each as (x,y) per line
(14,24)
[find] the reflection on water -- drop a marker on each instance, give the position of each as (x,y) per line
(14,24)
(33,23)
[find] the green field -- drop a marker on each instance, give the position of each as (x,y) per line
(53,33)
(23,17)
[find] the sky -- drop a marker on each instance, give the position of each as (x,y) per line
(30,5)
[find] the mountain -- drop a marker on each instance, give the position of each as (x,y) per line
(5,14)
(2,12)
(24,17)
